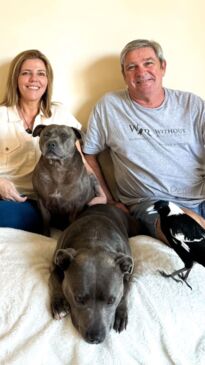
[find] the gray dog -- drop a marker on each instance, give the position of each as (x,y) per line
(61,180)
(92,267)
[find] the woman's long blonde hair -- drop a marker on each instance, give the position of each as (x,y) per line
(12,95)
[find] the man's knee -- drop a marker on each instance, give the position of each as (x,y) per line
(195,216)
(199,219)
(159,233)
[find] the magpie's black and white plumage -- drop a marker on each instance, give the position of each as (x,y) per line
(184,235)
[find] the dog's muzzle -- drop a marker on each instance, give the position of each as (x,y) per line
(51,146)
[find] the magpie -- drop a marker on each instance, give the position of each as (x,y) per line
(183,234)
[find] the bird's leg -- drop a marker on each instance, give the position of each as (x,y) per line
(185,276)
(163,273)
(178,273)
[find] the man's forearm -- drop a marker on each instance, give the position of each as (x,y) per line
(92,161)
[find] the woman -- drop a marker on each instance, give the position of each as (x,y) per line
(27,103)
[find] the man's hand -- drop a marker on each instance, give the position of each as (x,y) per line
(9,192)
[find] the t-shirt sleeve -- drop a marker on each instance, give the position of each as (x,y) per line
(199,115)
(94,140)
(203,123)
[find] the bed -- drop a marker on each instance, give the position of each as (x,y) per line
(166,319)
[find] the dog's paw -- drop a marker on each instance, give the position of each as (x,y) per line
(60,308)
(121,319)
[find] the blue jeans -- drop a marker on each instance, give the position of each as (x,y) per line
(200,209)
(25,216)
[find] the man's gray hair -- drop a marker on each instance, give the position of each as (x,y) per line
(141,43)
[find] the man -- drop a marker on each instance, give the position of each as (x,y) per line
(155,136)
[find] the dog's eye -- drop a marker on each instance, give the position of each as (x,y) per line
(64,136)
(80,299)
(111,300)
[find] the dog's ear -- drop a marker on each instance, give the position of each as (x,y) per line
(37,131)
(77,132)
(64,257)
(125,262)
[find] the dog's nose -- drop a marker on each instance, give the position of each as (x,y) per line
(51,145)
(95,337)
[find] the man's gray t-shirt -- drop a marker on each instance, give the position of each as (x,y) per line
(158,153)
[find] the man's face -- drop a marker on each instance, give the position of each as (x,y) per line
(143,73)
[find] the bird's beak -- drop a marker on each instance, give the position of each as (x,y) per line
(151,210)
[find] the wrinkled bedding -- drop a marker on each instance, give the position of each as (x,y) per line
(166,319)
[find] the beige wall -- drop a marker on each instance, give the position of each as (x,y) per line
(83,39)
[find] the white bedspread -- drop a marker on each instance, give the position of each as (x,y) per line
(166,319)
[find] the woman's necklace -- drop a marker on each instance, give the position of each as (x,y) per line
(28,129)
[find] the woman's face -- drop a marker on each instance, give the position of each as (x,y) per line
(32,80)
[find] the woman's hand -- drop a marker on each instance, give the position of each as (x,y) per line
(9,192)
